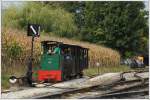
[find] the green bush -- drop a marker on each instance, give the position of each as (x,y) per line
(55,20)
(11,17)
(128,54)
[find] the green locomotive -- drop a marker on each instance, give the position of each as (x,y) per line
(60,62)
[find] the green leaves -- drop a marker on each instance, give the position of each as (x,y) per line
(123,24)
(119,25)
(55,20)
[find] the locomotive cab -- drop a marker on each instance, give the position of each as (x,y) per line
(60,62)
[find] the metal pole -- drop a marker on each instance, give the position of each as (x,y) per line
(32,48)
(29,71)
(31,56)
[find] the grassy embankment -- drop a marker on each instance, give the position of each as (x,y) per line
(16,50)
(101,70)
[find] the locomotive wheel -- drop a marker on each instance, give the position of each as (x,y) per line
(70,77)
(66,78)
(79,75)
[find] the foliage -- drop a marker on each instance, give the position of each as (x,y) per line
(74,7)
(122,24)
(119,25)
(11,17)
(128,54)
(55,20)
(14,50)
(5,82)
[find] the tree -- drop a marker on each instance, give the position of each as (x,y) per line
(74,7)
(119,25)
(55,20)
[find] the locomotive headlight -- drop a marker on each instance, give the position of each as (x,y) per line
(12,79)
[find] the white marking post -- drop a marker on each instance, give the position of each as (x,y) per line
(33,30)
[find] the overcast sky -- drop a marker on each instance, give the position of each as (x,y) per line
(6,4)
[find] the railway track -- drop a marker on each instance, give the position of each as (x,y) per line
(123,95)
(123,88)
(102,91)
(133,83)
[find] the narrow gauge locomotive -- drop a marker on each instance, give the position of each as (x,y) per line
(60,62)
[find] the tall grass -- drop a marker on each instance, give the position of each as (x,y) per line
(16,46)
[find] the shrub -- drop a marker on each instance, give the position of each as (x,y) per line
(55,20)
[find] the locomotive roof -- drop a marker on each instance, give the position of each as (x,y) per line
(62,44)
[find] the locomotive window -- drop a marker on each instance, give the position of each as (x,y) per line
(53,50)
(67,51)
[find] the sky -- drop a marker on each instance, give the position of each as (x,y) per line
(6,4)
(146,5)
